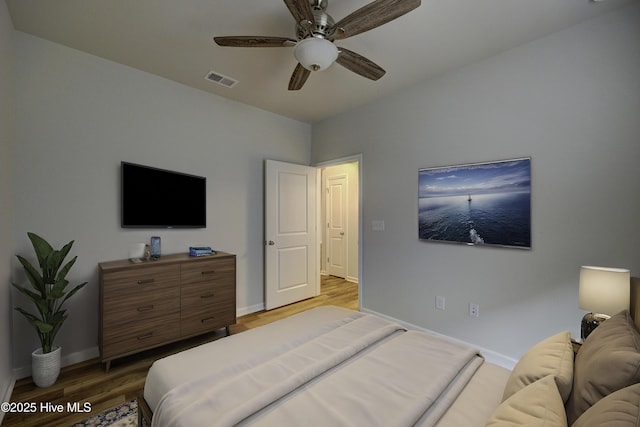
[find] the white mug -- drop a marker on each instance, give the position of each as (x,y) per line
(136,250)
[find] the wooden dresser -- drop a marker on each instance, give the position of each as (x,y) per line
(149,304)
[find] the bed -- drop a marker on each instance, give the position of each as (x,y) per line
(337,367)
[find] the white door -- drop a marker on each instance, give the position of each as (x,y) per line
(291,256)
(336,224)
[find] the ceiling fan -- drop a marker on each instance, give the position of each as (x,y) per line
(316,32)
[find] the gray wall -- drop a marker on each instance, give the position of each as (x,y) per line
(6,143)
(570,101)
(77,117)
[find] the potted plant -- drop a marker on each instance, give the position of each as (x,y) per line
(49,294)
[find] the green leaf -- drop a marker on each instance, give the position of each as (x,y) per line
(32,295)
(63,273)
(57,291)
(58,321)
(40,303)
(41,326)
(33,275)
(73,291)
(30,317)
(41,247)
(49,272)
(55,260)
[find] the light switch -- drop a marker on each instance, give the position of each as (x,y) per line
(377,225)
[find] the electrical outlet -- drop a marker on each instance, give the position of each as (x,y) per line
(474,310)
(440,303)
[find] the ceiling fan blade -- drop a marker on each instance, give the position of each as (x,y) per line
(254,41)
(298,78)
(372,15)
(359,64)
(301,11)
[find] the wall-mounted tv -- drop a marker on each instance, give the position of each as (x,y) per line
(158,198)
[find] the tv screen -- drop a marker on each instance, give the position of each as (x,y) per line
(157,198)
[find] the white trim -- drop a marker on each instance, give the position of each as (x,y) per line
(243,311)
(68,360)
(339,161)
(489,355)
(319,227)
(6,397)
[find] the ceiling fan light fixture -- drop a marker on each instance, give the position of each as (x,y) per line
(315,53)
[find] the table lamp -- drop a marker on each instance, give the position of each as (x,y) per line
(604,292)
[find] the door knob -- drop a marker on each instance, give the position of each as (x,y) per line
(342,233)
(271,243)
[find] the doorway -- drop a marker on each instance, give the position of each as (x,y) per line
(341,224)
(291,190)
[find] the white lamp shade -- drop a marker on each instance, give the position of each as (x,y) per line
(315,54)
(604,290)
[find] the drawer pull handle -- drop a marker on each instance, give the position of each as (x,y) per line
(145,281)
(209,272)
(145,336)
(209,295)
(145,308)
(208,319)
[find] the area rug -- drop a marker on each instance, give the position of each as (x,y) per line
(124,415)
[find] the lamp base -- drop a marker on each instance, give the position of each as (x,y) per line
(590,321)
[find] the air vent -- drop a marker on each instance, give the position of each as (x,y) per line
(221,79)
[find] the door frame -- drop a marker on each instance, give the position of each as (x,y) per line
(351,159)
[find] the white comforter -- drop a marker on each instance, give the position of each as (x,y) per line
(361,370)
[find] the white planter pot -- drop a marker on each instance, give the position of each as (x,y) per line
(45,368)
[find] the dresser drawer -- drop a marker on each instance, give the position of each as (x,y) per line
(140,306)
(203,271)
(144,279)
(207,294)
(205,319)
(139,336)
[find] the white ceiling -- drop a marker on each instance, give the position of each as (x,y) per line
(174,39)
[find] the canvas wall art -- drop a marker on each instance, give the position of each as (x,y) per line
(477,204)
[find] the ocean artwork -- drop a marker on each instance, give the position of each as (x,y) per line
(476,204)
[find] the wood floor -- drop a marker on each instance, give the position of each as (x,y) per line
(87,381)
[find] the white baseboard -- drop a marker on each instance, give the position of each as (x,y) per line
(489,355)
(352,279)
(6,396)
(67,360)
(250,309)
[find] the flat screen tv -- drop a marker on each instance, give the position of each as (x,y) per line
(158,198)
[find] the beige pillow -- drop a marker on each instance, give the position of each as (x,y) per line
(609,360)
(552,356)
(537,404)
(621,408)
